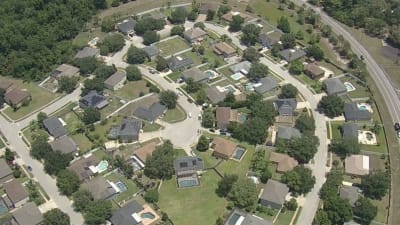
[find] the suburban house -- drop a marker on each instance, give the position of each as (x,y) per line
(226,149)
(17,98)
(141,154)
(54,126)
(16,194)
(265,84)
(357,165)
(288,133)
(177,62)
(115,81)
(6,174)
(268,39)
(29,214)
(350,193)
(350,130)
(240,217)
(187,169)
(87,52)
(334,86)
(100,188)
(134,214)
(222,48)
(214,95)
(242,67)
(128,131)
(6,85)
(127,27)
(64,144)
(194,34)
(290,55)
(284,162)
(206,6)
(151,51)
(81,166)
(274,194)
(314,71)
(65,70)
(226,115)
(195,74)
(353,113)
(229,16)
(94,100)
(286,106)
(152,113)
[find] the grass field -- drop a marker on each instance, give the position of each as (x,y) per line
(132,90)
(175,75)
(113,104)
(336,127)
(101,130)
(31,134)
(84,37)
(172,46)
(194,206)
(284,218)
(174,115)
(194,56)
(83,143)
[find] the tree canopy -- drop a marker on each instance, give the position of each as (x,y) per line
(236,23)
(135,55)
(150,36)
(178,15)
(55,217)
(305,123)
(365,210)
(244,194)
(82,198)
(283,24)
(251,54)
(97,212)
(169,99)
(258,71)
(300,180)
(91,115)
(225,184)
(148,24)
(288,91)
(250,35)
(133,73)
(68,182)
(160,163)
(331,105)
(345,146)
(375,185)
(288,40)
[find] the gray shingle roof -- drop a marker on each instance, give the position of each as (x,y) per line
(123,216)
(93,99)
(350,130)
(290,54)
(247,219)
(5,169)
(54,127)
(350,193)
(87,52)
(188,164)
(115,78)
(81,167)
(127,26)
(353,113)
(267,84)
(65,70)
(151,113)
(214,95)
(129,128)
(268,40)
(15,191)
(275,192)
(100,188)
(286,106)
(244,65)
(28,214)
(334,86)
(151,51)
(178,62)
(288,133)
(64,144)
(196,74)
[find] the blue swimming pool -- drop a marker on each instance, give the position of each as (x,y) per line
(187,183)
(121,186)
(239,153)
(147,215)
(3,207)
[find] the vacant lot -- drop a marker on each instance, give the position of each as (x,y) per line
(132,90)
(172,46)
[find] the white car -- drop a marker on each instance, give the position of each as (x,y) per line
(190,115)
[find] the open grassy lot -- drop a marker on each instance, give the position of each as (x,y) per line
(128,194)
(175,75)
(150,127)
(172,46)
(83,143)
(113,104)
(194,206)
(383,209)
(284,218)
(132,90)
(40,97)
(175,115)
(197,60)
(336,129)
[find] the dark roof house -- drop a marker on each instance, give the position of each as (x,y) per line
(151,51)
(266,84)
(274,194)
(128,131)
(196,74)
(288,133)
(127,27)
(81,167)
(239,217)
(6,174)
(65,70)
(290,55)
(350,130)
(54,126)
(178,62)
(93,99)
(350,193)
(188,165)
(100,188)
(286,106)
(334,86)
(353,113)
(28,214)
(87,52)
(214,95)
(152,113)
(64,144)
(127,215)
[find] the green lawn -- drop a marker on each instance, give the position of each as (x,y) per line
(284,218)
(266,216)
(174,115)
(101,130)
(209,160)
(194,206)
(84,37)
(194,56)
(383,206)
(132,90)
(40,97)
(172,46)
(30,134)
(149,127)
(113,104)
(132,188)
(70,117)
(380,148)
(2,144)
(83,142)
(175,75)
(225,71)
(360,92)
(336,132)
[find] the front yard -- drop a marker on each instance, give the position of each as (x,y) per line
(175,115)
(132,90)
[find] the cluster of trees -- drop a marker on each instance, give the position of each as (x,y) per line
(302,149)
(331,105)
(169,99)
(2,92)
(288,91)
(203,144)
(260,166)
(178,15)
(257,71)
(65,84)
(345,146)
(300,180)
(124,166)
(148,24)
(112,43)
(160,163)
(101,72)
(94,211)
(91,115)
(135,55)
(55,217)
(250,34)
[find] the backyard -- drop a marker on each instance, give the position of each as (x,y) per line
(132,90)
(131,187)
(172,46)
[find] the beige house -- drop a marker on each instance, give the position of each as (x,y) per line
(284,162)
(224,49)
(16,194)
(115,81)
(223,148)
(357,165)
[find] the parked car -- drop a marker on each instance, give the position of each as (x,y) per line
(397,126)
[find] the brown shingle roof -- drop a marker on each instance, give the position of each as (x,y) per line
(15,191)
(314,70)
(223,146)
(285,162)
(195,33)
(357,165)
(81,167)
(225,115)
(223,47)
(16,96)
(145,151)
(115,78)
(5,84)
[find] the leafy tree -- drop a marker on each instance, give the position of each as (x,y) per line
(236,23)
(124,166)
(41,116)
(91,115)
(151,196)
(365,210)
(257,71)
(56,161)
(203,143)
(250,35)
(40,148)
(276,48)
(169,99)
(244,194)
(200,25)
(178,16)
(225,184)
(191,86)
(148,24)
(345,146)
(103,71)
(96,84)
(305,123)
(283,24)
(133,73)
(67,84)
(253,131)
(160,163)
(150,36)
(394,35)
(251,54)
(316,52)
(9,155)
(223,9)
(201,97)
(135,55)
(375,185)
(177,30)
(288,40)
(113,42)
(192,16)
(208,119)
(107,25)
(161,63)
(82,198)
(68,182)
(55,217)
(100,4)
(264,110)
(86,65)
(288,91)
(302,149)
(300,180)
(300,35)
(331,105)
(291,205)
(338,210)
(97,212)
(210,15)
(296,67)
(321,218)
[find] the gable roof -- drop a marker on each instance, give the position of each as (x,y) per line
(291,54)
(224,48)
(267,84)
(94,99)
(225,115)
(87,52)
(178,62)
(100,188)
(267,39)
(146,150)
(151,51)
(334,86)
(16,96)
(194,33)
(242,66)
(115,79)
(130,127)
(357,165)
(5,85)
(5,169)
(64,144)
(28,214)
(15,191)
(239,217)
(350,130)
(125,215)
(54,126)
(194,73)
(214,95)
(275,192)
(81,166)
(314,70)
(288,133)
(285,162)
(151,113)
(65,70)
(188,164)
(223,146)
(286,106)
(350,193)
(353,113)
(127,26)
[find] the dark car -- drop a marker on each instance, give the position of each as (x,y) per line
(397,126)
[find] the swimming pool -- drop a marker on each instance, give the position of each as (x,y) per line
(363,107)
(121,186)
(237,76)
(210,74)
(147,215)
(230,88)
(102,166)
(3,207)
(239,152)
(349,86)
(187,183)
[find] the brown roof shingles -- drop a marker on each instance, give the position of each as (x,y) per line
(15,191)
(223,146)
(16,96)
(145,151)
(224,48)
(285,162)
